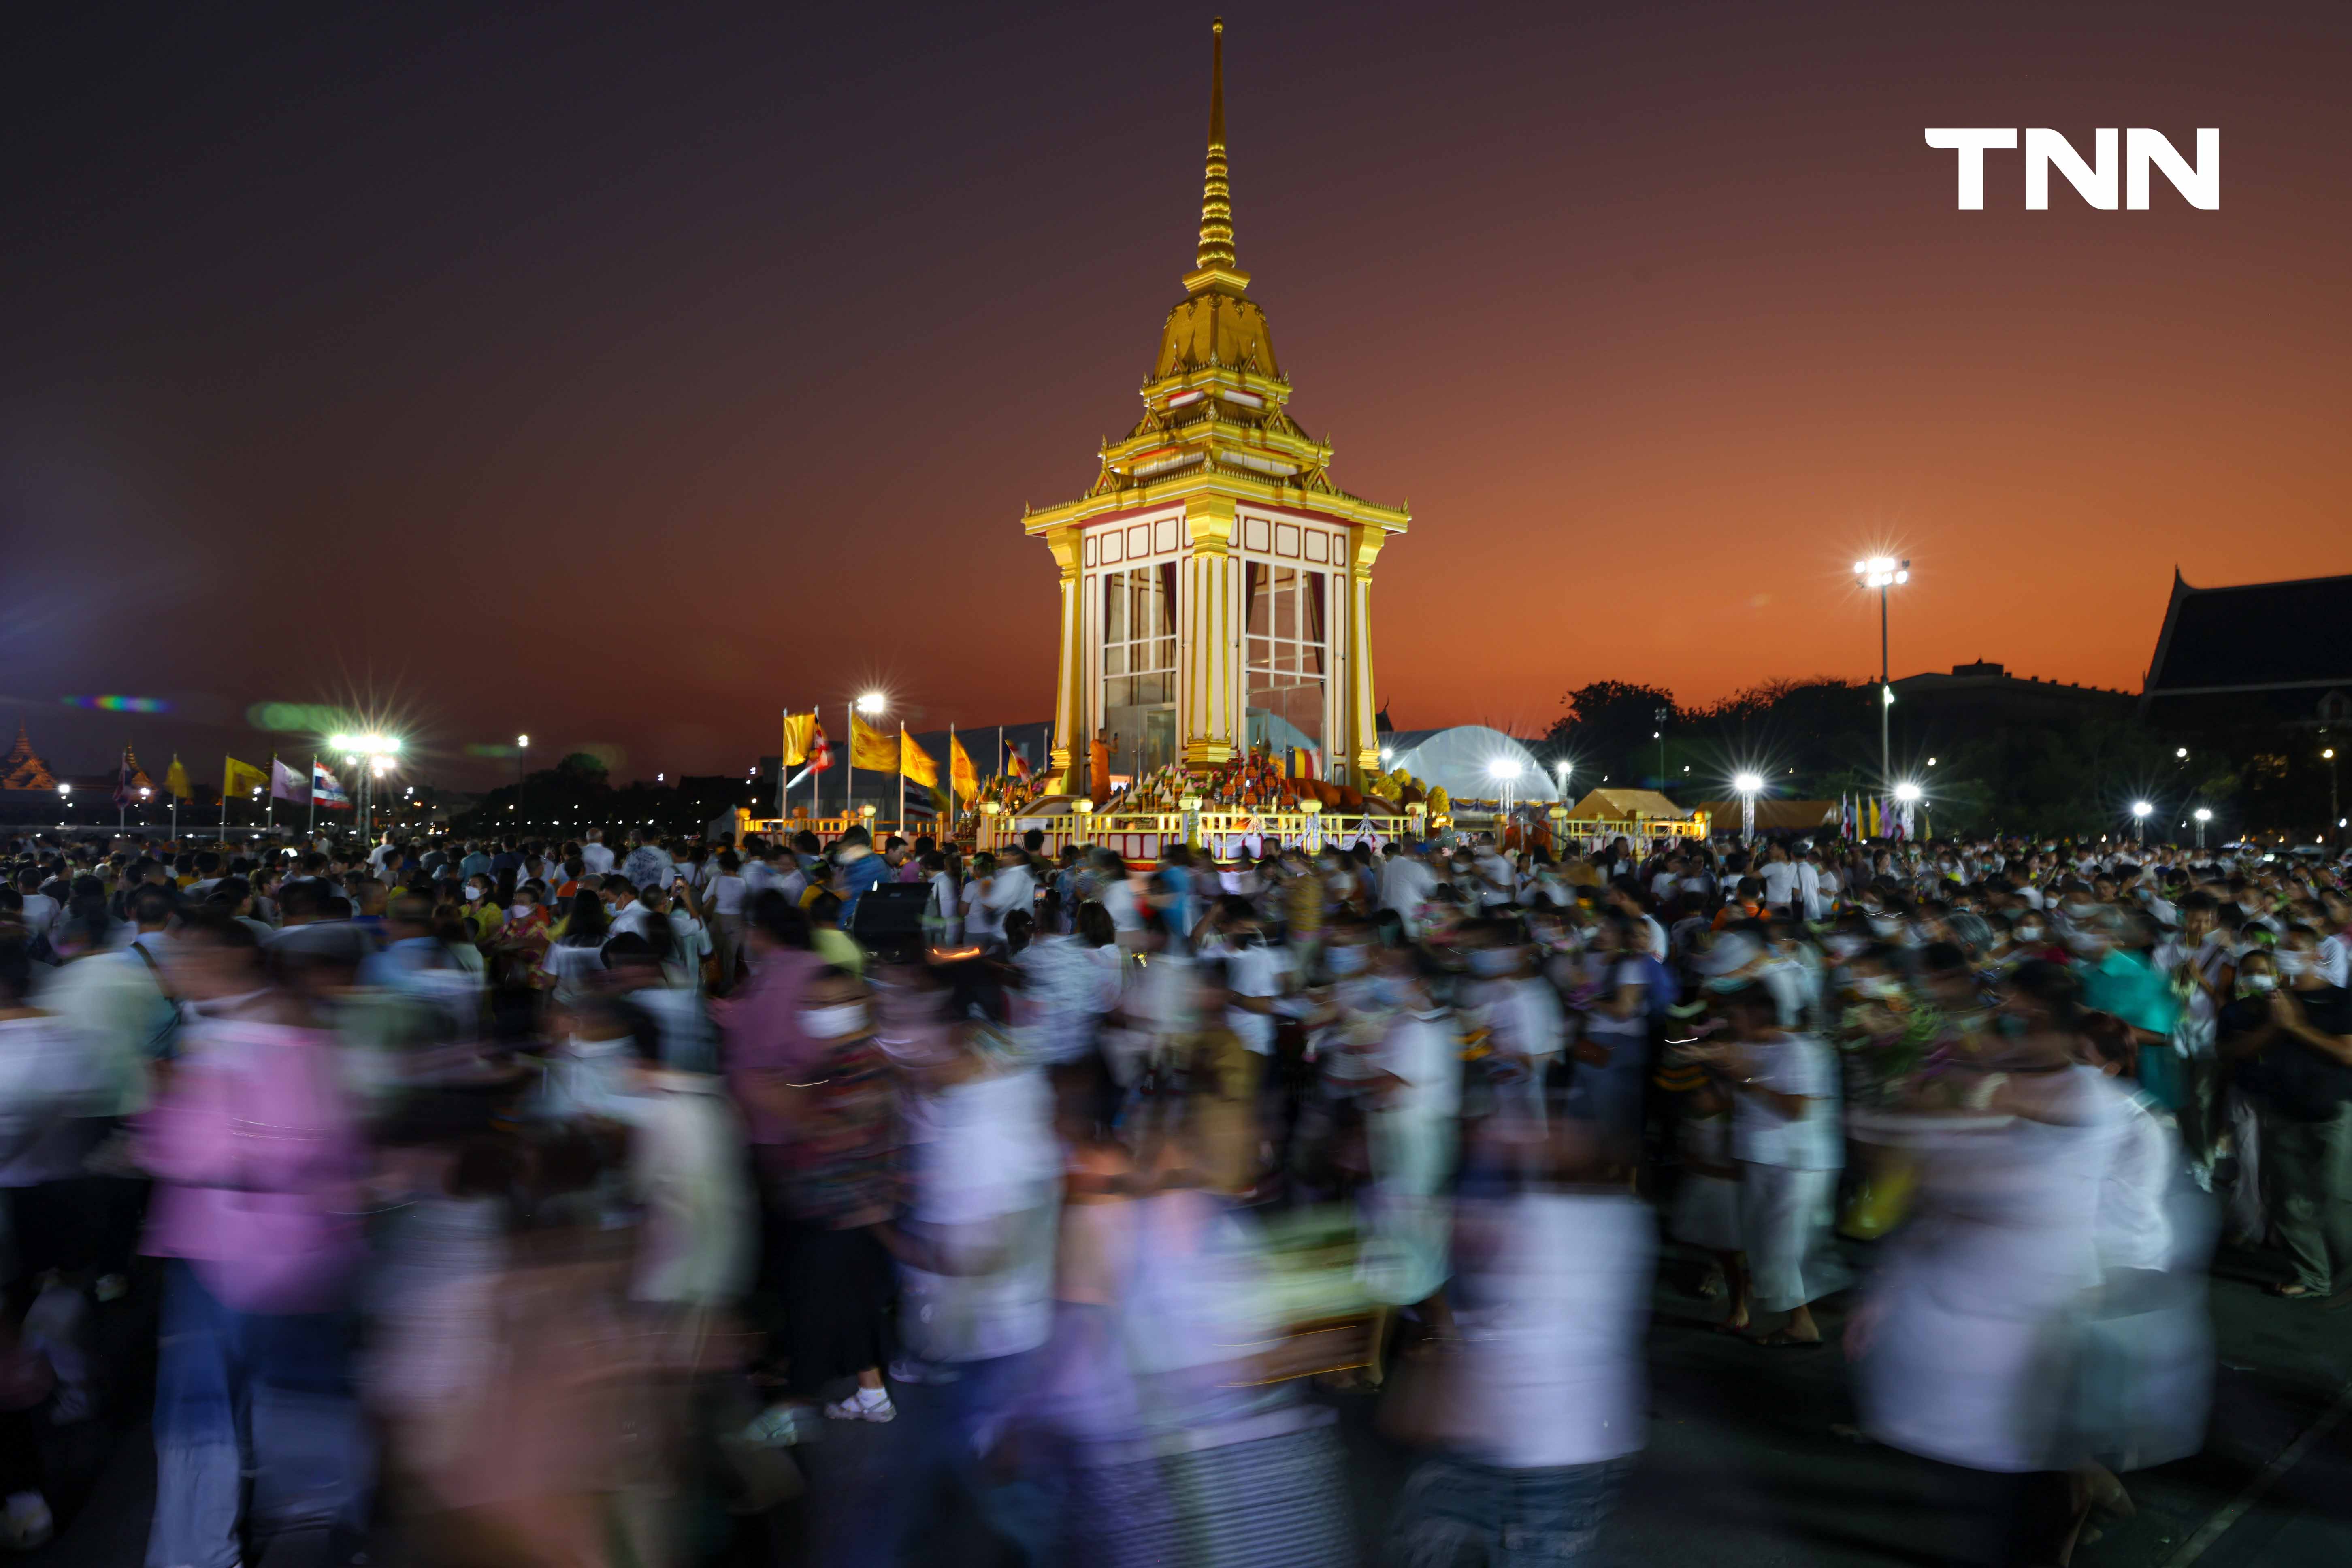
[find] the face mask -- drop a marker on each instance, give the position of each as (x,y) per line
(1884,927)
(838,1023)
(2081,912)
(2258,983)
(2029,933)
(2290,963)
(478,894)
(1344,960)
(1493,961)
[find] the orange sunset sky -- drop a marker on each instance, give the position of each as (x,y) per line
(624,375)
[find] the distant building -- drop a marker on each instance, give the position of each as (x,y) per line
(2280,652)
(1984,695)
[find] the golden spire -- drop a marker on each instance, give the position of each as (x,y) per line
(1216,200)
(1215,260)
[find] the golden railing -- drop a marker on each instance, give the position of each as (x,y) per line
(1225,832)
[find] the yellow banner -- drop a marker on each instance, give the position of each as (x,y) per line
(799,734)
(961,774)
(242,778)
(176,782)
(871,751)
(916,763)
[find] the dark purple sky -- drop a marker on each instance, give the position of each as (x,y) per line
(622,374)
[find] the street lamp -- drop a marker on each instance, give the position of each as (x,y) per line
(1747,785)
(1565,768)
(1907,795)
(2335,811)
(1882,572)
(378,752)
(2140,809)
(2203,814)
(1506,769)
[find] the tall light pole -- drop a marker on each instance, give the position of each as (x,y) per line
(873,705)
(1882,572)
(1661,718)
(1906,796)
(2203,814)
(2335,812)
(1747,785)
(2140,809)
(523,770)
(369,756)
(1505,770)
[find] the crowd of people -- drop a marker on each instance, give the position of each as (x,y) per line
(587,1202)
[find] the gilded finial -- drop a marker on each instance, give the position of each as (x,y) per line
(1216,198)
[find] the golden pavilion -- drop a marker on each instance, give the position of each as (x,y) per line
(1216,585)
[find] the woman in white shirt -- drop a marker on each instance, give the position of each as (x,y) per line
(1539,1414)
(1790,1144)
(724,901)
(943,914)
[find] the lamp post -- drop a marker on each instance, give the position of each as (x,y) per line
(522,769)
(1906,796)
(2140,809)
(369,756)
(2203,814)
(65,803)
(1747,785)
(1882,572)
(873,705)
(2335,812)
(1660,716)
(1506,771)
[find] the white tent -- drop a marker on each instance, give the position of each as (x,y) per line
(1465,760)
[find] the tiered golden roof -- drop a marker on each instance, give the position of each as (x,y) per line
(1214,413)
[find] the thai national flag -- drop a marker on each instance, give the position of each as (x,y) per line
(326,789)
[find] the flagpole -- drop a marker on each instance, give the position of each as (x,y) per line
(269,812)
(783,772)
(313,831)
(849,765)
(223,831)
(949,826)
(902,778)
(1000,751)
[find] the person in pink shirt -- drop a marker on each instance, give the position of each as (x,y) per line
(257,1154)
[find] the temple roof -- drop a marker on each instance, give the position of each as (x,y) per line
(2253,637)
(22,768)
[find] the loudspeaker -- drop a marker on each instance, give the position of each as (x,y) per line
(890,917)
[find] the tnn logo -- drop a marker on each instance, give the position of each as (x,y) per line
(2200,185)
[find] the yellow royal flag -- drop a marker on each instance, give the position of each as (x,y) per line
(871,751)
(799,734)
(242,778)
(176,782)
(916,763)
(963,777)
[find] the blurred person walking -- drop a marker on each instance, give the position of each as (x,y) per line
(256,1148)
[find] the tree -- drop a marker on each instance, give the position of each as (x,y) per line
(1607,724)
